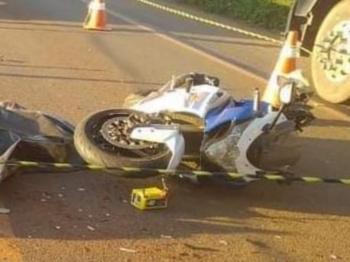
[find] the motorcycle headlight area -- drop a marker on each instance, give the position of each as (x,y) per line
(225,151)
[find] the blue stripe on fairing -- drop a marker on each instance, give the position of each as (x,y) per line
(236,112)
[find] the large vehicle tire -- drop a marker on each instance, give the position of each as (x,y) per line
(95,149)
(330,68)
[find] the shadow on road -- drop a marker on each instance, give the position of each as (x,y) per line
(65,78)
(16,65)
(77,30)
(333,123)
(43,24)
(259,72)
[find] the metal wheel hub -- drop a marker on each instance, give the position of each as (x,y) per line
(334,52)
(117,131)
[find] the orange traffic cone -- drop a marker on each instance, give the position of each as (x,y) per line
(96,18)
(286,63)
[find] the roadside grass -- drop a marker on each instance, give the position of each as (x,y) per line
(269,14)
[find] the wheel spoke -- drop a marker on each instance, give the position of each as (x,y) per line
(112,133)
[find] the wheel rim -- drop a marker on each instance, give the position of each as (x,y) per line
(112,133)
(334,52)
(117,131)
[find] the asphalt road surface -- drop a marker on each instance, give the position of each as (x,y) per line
(50,63)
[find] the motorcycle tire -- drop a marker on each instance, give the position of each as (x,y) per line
(94,153)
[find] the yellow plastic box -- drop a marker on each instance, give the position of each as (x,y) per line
(149,198)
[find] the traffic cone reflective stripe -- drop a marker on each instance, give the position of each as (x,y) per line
(97,6)
(286,63)
(96,18)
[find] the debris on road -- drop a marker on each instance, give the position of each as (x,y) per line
(166,237)
(223,242)
(127,250)
(81,189)
(332,256)
(4,211)
(199,248)
(91,228)
(58,227)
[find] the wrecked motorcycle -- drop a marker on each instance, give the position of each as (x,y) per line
(192,118)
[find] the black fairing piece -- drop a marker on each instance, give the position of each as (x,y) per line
(27,135)
(273,150)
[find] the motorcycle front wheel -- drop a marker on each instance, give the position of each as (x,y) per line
(103,138)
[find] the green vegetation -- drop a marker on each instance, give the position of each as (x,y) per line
(270,14)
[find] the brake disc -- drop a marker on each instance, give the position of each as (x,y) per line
(117,130)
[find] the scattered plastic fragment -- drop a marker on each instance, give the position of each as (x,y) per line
(166,236)
(127,250)
(223,242)
(4,211)
(332,256)
(91,228)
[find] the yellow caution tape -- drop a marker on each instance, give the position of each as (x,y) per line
(277,177)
